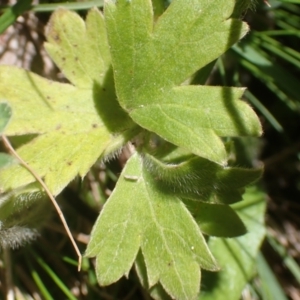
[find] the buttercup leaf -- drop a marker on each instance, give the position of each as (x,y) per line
(150,62)
(139,216)
(79,48)
(72,128)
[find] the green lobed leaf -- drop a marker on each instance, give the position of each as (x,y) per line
(139,216)
(200,179)
(237,256)
(157,292)
(216,219)
(151,60)
(75,124)
(70,39)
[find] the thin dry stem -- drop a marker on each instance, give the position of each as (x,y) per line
(39,179)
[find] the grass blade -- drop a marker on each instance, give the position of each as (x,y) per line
(264,111)
(50,7)
(12,13)
(270,287)
(39,282)
(55,278)
(288,261)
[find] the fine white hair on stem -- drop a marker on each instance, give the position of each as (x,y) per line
(16,236)
(173,175)
(113,155)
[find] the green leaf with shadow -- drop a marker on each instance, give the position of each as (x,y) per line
(152,60)
(75,123)
(138,216)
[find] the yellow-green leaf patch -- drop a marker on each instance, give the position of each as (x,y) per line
(73,123)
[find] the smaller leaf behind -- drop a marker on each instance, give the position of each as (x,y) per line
(79,48)
(216,219)
(200,179)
